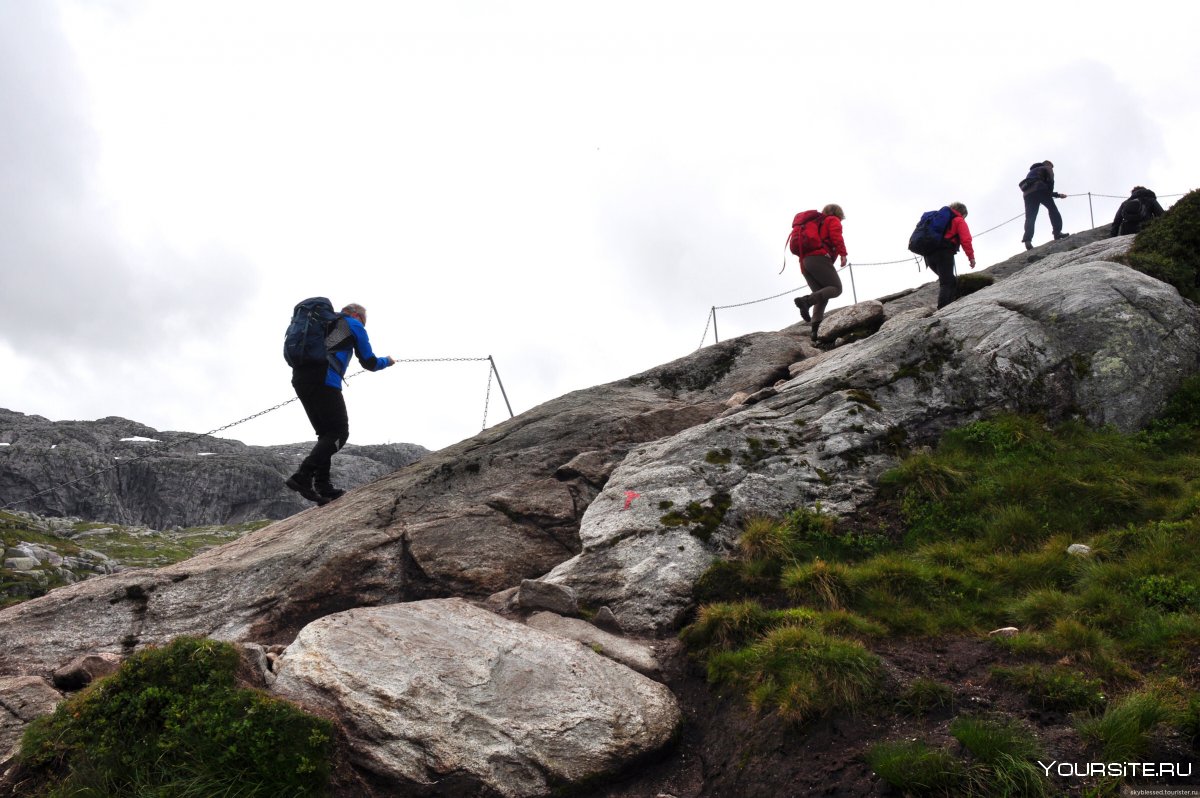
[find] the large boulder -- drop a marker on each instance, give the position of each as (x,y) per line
(442,698)
(1074,335)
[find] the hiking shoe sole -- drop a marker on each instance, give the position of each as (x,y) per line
(800,303)
(305,491)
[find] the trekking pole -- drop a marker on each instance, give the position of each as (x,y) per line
(501,384)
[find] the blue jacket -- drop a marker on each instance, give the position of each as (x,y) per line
(349,335)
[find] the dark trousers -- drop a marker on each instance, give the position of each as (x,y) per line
(1032,202)
(941,263)
(823,281)
(326,409)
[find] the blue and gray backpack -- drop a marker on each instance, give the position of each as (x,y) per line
(930,233)
(304,342)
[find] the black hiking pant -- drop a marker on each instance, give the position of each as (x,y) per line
(326,409)
(1032,203)
(941,263)
(822,278)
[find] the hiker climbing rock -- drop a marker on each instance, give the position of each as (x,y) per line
(937,237)
(816,239)
(1141,207)
(1038,189)
(317,346)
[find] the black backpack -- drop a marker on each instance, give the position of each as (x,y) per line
(1133,210)
(304,341)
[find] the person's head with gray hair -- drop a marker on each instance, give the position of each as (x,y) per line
(357,311)
(833,209)
(958,206)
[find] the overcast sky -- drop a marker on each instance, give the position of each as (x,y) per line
(566,187)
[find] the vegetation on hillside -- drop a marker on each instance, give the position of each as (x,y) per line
(172,722)
(1109,636)
(84,549)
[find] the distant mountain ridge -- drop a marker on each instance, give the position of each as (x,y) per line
(163,479)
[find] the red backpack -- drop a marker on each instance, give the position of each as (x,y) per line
(806,233)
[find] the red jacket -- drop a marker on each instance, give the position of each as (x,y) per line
(959,233)
(831,235)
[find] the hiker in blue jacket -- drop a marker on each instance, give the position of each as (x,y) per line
(319,388)
(1038,189)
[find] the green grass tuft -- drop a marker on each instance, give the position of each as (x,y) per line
(914,768)
(1122,733)
(173,722)
(801,673)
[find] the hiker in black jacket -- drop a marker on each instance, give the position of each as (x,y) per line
(1141,207)
(1038,188)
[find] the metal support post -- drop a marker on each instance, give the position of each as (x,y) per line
(501,384)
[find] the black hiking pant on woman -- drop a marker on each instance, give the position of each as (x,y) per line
(941,263)
(823,281)
(326,409)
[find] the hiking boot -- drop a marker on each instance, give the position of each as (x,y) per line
(815,339)
(803,302)
(327,491)
(1058,236)
(302,484)
(1028,245)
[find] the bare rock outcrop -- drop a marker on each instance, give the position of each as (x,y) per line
(163,479)
(1074,336)
(22,699)
(441,698)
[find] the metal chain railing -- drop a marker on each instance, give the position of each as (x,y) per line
(197,436)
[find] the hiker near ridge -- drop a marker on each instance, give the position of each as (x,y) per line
(817,239)
(1038,188)
(1141,207)
(318,385)
(941,260)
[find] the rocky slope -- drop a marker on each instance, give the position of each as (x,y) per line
(610,503)
(163,479)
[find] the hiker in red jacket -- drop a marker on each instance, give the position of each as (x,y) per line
(941,261)
(817,240)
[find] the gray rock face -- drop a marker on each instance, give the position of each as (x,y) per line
(22,699)
(82,671)
(535,595)
(1073,335)
(473,519)
(204,481)
(865,316)
(439,695)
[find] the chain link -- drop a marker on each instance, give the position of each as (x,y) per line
(707,324)
(487,397)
